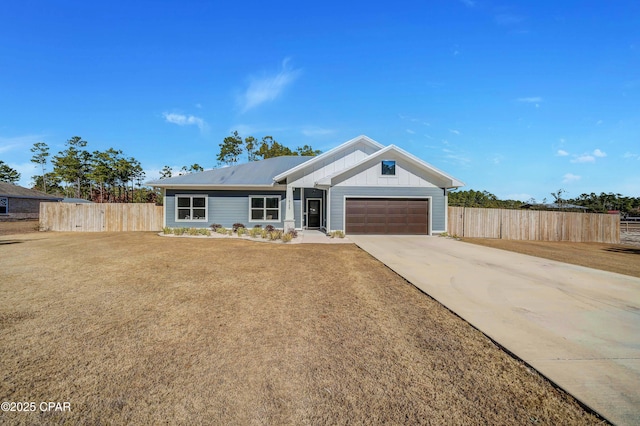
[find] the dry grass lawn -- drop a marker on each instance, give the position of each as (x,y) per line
(133,328)
(623,259)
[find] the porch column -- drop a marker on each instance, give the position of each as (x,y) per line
(289,219)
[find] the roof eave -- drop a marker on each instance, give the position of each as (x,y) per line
(213,186)
(318,158)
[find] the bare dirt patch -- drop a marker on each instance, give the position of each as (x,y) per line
(18,227)
(620,258)
(137,329)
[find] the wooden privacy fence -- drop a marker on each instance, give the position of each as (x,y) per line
(100,217)
(533,225)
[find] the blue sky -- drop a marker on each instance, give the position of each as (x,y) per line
(516,98)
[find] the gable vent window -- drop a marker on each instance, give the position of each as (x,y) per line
(191,208)
(4,205)
(388,168)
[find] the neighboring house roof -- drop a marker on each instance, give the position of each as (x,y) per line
(347,145)
(554,206)
(447,180)
(76,200)
(254,173)
(15,191)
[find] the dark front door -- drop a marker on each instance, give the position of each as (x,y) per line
(313,213)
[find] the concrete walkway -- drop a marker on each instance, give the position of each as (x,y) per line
(579,327)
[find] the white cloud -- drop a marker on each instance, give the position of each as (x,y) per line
(468,3)
(530,100)
(598,153)
(631,155)
(268,88)
(455,132)
(599,122)
(411,132)
(316,131)
(18,142)
(497,159)
(562,153)
(584,158)
(184,120)
(27,170)
(570,177)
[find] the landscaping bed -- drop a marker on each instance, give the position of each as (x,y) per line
(132,328)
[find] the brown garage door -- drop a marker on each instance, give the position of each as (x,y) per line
(386,216)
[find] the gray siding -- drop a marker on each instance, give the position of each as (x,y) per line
(226,208)
(438,205)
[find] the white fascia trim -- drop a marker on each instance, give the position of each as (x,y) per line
(224,187)
(322,156)
(454,183)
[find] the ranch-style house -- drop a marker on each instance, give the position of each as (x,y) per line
(359,187)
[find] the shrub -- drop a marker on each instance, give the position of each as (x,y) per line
(338,234)
(264,233)
(270,228)
(193,231)
(275,235)
(214,227)
(221,230)
(179,231)
(204,231)
(241,231)
(286,238)
(257,226)
(229,231)
(167,231)
(294,233)
(254,232)
(237,225)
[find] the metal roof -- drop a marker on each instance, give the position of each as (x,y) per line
(15,191)
(258,173)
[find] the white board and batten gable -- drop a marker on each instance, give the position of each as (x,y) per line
(331,162)
(410,171)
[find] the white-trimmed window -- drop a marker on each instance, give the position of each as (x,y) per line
(4,205)
(192,208)
(264,208)
(388,168)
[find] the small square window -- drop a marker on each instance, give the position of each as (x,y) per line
(4,205)
(388,168)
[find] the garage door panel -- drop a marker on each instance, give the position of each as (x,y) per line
(386,216)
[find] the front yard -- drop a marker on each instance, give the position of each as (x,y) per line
(134,328)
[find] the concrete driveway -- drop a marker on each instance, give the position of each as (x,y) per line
(579,327)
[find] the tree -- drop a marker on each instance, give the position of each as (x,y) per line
(40,153)
(230,149)
(308,151)
(8,174)
(166,172)
(103,169)
(72,164)
(557,198)
(53,183)
(194,168)
(270,148)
